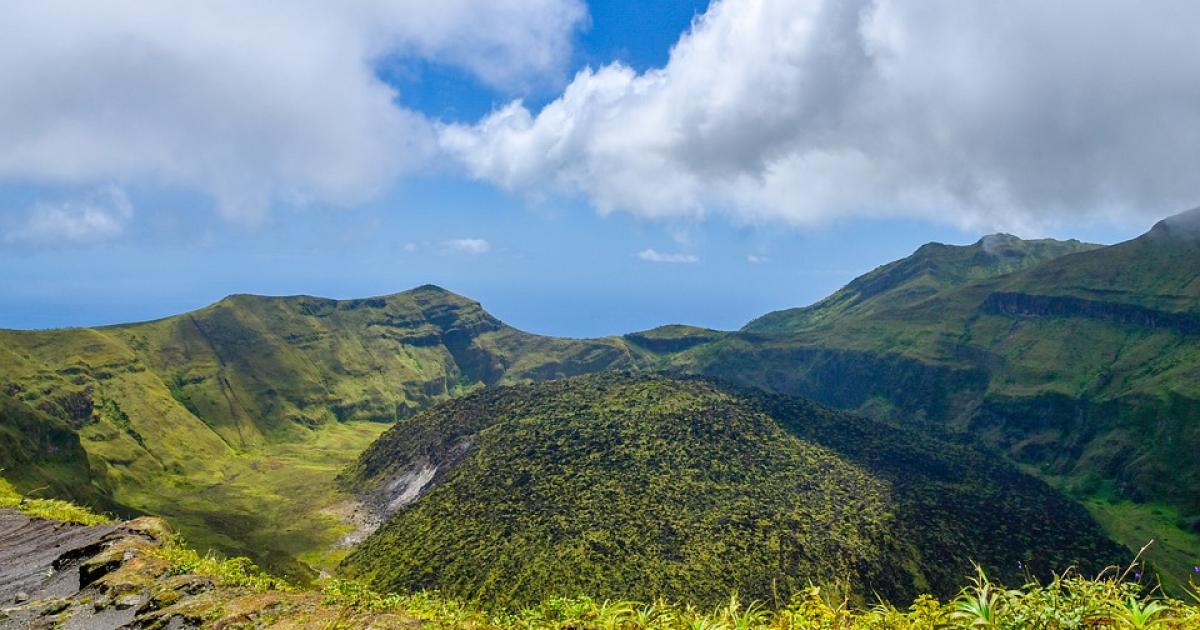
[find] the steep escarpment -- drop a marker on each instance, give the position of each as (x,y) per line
(1026,305)
(631,486)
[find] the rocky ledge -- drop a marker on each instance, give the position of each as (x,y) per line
(61,575)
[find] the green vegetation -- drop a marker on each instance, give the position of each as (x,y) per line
(1065,601)
(642,487)
(233,420)
(172,585)
(277,503)
(1081,363)
(1174,552)
(49,509)
(930,270)
(239,572)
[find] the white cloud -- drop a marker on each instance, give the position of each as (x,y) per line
(974,112)
(756,260)
(250,102)
(101,215)
(651,255)
(468,245)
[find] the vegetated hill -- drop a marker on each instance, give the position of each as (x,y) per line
(233,420)
(933,268)
(641,486)
(1085,367)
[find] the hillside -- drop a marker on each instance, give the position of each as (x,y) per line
(233,419)
(1083,368)
(932,269)
(627,486)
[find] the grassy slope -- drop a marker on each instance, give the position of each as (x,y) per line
(233,420)
(642,487)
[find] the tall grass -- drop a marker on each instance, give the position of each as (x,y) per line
(1068,601)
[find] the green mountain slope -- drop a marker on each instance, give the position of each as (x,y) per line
(933,268)
(232,420)
(1085,367)
(1081,363)
(630,486)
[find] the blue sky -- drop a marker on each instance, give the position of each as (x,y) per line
(554,239)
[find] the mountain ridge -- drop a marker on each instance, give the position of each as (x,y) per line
(191,416)
(933,267)
(252,383)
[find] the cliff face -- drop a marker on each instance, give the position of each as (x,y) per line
(1026,305)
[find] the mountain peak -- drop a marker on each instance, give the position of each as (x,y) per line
(993,242)
(1186,225)
(428,288)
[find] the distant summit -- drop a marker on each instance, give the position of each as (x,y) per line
(934,267)
(1183,225)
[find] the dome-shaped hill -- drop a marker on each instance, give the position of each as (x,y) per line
(626,486)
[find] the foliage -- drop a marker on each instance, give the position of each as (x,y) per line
(933,268)
(1083,366)
(1085,371)
(233,572)
(50,509)
(641,486)
(241,594)
(111,411)
(1065,602)
(232,421)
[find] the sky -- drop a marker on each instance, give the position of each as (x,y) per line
(580,168)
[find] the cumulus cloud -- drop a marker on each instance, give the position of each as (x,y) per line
(979,113)
(755,259)
(468,245)
(250,102)
(99,216)
(650,255)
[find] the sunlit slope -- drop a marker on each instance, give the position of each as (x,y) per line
(193,416)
